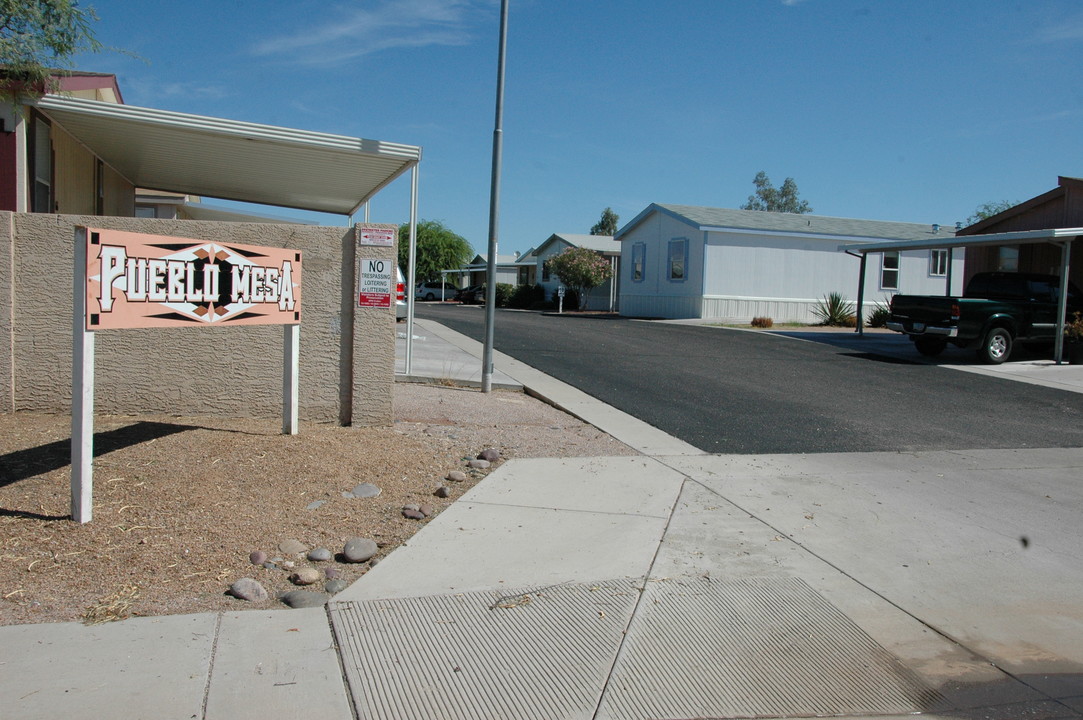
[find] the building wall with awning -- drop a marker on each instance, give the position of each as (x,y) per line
(347,353)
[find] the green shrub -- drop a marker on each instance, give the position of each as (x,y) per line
(504,292)
(527,297)
(835,311)
(878,316)
(762,322)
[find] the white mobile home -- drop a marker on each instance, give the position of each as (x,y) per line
(680,261)
(605,296)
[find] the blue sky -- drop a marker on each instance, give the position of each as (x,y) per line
(909,110)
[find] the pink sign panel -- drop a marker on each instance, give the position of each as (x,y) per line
(136,281)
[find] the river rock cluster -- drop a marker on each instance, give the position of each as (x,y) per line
(321,571)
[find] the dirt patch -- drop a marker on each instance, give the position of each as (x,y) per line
(180,503)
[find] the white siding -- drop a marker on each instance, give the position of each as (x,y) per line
(597,299)
(550,285)
(736,276)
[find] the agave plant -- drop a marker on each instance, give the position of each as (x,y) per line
(835,311)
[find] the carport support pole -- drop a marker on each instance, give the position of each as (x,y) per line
(860,329)
(411,273)
(1062,301)
(494,209)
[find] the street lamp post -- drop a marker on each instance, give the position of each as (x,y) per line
(494,209)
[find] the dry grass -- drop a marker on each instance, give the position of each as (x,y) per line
(180,503)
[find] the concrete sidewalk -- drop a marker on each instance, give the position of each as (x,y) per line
(672,584)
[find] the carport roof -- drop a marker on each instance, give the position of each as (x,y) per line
(1022,237)
(232,160)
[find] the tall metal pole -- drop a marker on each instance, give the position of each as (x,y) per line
(411,273)
(494,209)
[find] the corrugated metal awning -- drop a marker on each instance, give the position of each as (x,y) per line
(232,160)
(1021,237)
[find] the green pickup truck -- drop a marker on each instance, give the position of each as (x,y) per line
(997,310)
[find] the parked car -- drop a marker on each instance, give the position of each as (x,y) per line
(400,296)
(473,295)
(997,310)
(435,290)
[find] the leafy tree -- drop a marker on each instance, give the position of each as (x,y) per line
(988,210)
(771,199)
(581,270)
(607,225)
(438,248)
(39,36)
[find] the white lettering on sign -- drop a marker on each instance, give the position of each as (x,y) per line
(185,281)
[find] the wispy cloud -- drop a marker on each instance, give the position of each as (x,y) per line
(1068,30)
(356,32)
(791,3)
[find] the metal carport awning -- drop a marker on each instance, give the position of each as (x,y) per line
(232,160)
(246,162)
(1056,236)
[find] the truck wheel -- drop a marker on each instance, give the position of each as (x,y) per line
(930,346)
(997,346)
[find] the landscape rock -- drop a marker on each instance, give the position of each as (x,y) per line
(426,510)
(330,572)
(292,547)
(479,464)
(305,576)
(319,555)
(366,490)
(335,586)
(248,589)
(490,454)
(315,505)
(304,598)
(413,513)
(258,557)
(358,550)
(443,491)
(456,476)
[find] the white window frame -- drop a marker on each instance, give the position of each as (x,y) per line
(1008,258)
(42,193)
(938,263)
(681,244)
(888,271)
(639,261)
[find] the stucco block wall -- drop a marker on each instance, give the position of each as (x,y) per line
(347,354)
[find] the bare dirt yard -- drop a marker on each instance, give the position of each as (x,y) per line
(180,504)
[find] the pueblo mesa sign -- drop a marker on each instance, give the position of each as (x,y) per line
(136,280)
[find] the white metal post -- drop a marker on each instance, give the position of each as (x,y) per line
(411,271)
(82,392)
(291,358)
(1062,301)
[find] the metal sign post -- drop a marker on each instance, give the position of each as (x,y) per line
(82,392)
(130,280)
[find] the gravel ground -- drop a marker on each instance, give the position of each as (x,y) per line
(181,503)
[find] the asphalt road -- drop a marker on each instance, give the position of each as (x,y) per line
(726,391)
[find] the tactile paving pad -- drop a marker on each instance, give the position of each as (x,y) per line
(530,654)
(696,648)
(752,648)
